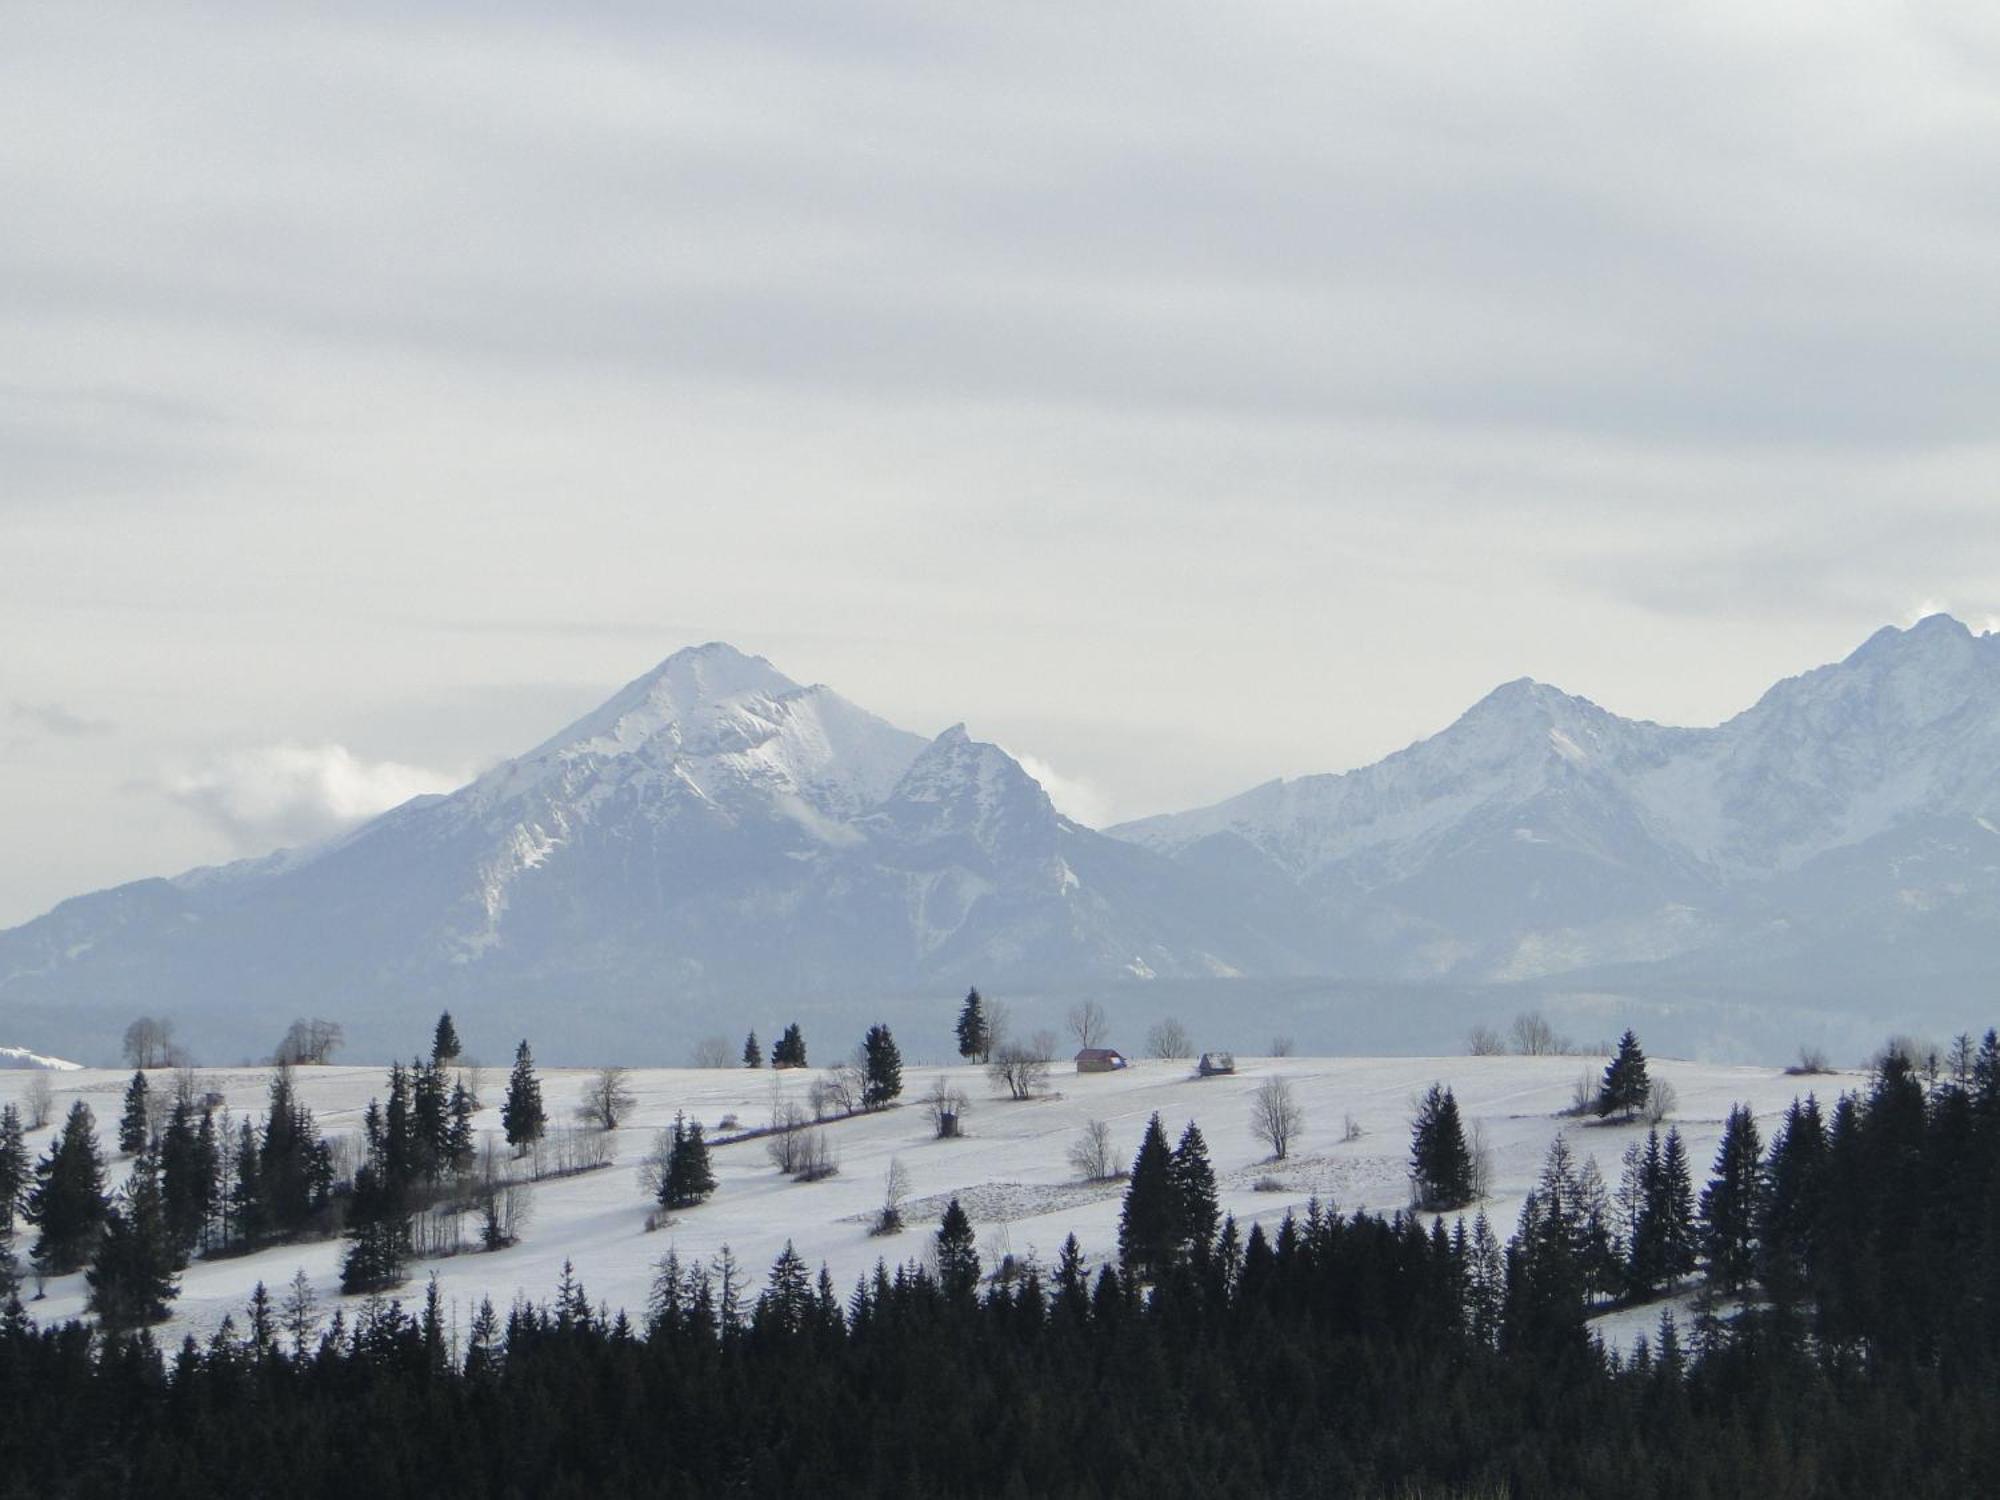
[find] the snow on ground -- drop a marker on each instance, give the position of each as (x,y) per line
(1010,1169)
(22,1058)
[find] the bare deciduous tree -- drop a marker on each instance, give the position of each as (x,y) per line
(711,1052)
(1088,1023)
(1281,1046)
(1090,1153)
(1532,1036)
(1022,1069)
(311,1042)
(895,1188)
(1661,1101)
(1275,1116)
(1169,1039)
(39,1102)
(607,1099)
(945,1107)
(1484,1041)
(149,1042)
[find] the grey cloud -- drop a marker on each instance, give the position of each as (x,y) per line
(58,720)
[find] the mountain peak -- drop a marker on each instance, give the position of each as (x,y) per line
(692,679)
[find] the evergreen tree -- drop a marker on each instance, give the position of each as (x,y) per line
(188,1172)
(753,1053)
(957,1256)
(67,1200)
(378,1229)
(132,1275)
(689,1177)
(1440,1160)
(444,1042)
(883,1068)
(1626,1086)
(1149,1224)
(789,1051)
(1728,1238)
(1789,1209)
(787,1299)
(246,1191)
(975,1035)
(461,1143)
(521,1113)
(1671,1214)
(430,1122)
(14,1167)
(1197,1210)
(135,1126)
(294,1162)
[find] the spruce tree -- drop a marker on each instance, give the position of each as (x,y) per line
(1440,1161)
(689,1177)
(1677,1229)
(975,1037)
(1149,1222)
(135,1126)
(883,1068)
(1728,1237)
(753,1053)
(14,1167)
(1626,1086)
(1196,1208)
(957,1256)
(461,1144)
(790,1049)
(294,1162)
(1790,1205)
(521,1113)
(187,1178)
(67,1202)
(246,1192)
(444,1042)
(132,1275)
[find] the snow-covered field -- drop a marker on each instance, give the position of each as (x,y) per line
(1009,1169)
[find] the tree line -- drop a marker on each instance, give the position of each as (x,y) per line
(1337,1354)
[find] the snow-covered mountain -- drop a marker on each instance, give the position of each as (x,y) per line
(713,833)
(718,843)
(1842,833)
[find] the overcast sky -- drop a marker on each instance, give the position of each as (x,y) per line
(1180,395)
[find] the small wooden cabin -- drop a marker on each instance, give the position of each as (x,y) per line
(1214,1063)
(1099,1060)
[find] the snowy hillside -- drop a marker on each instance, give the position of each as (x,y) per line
(21,1057)
(1009,1171)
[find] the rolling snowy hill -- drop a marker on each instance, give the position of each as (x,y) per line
(1009,1170)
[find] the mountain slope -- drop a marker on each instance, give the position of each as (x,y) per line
(714,832)
(1842,826)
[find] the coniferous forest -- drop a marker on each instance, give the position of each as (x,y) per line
(1858,1352)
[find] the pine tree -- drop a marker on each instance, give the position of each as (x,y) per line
(883,1068)
(187,1178)
(461,1144)
(1197,1210)
(975,1036)
(521,1113)
(378,1229)
(132,1275)
(67,1200)
(430,1122)
(1440,1161)
(1790,1205)
(444,1042)
(790,1049)
(246,1193)
(753,1053)
(135,1126)
(1626,1086)
(689,1177)
(1729,1203)
(14,1167)
(957,1256)
(1676,1212)
(294,1162)
(787,1296)
(1149,1222)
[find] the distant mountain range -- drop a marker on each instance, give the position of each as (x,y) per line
(719,842)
